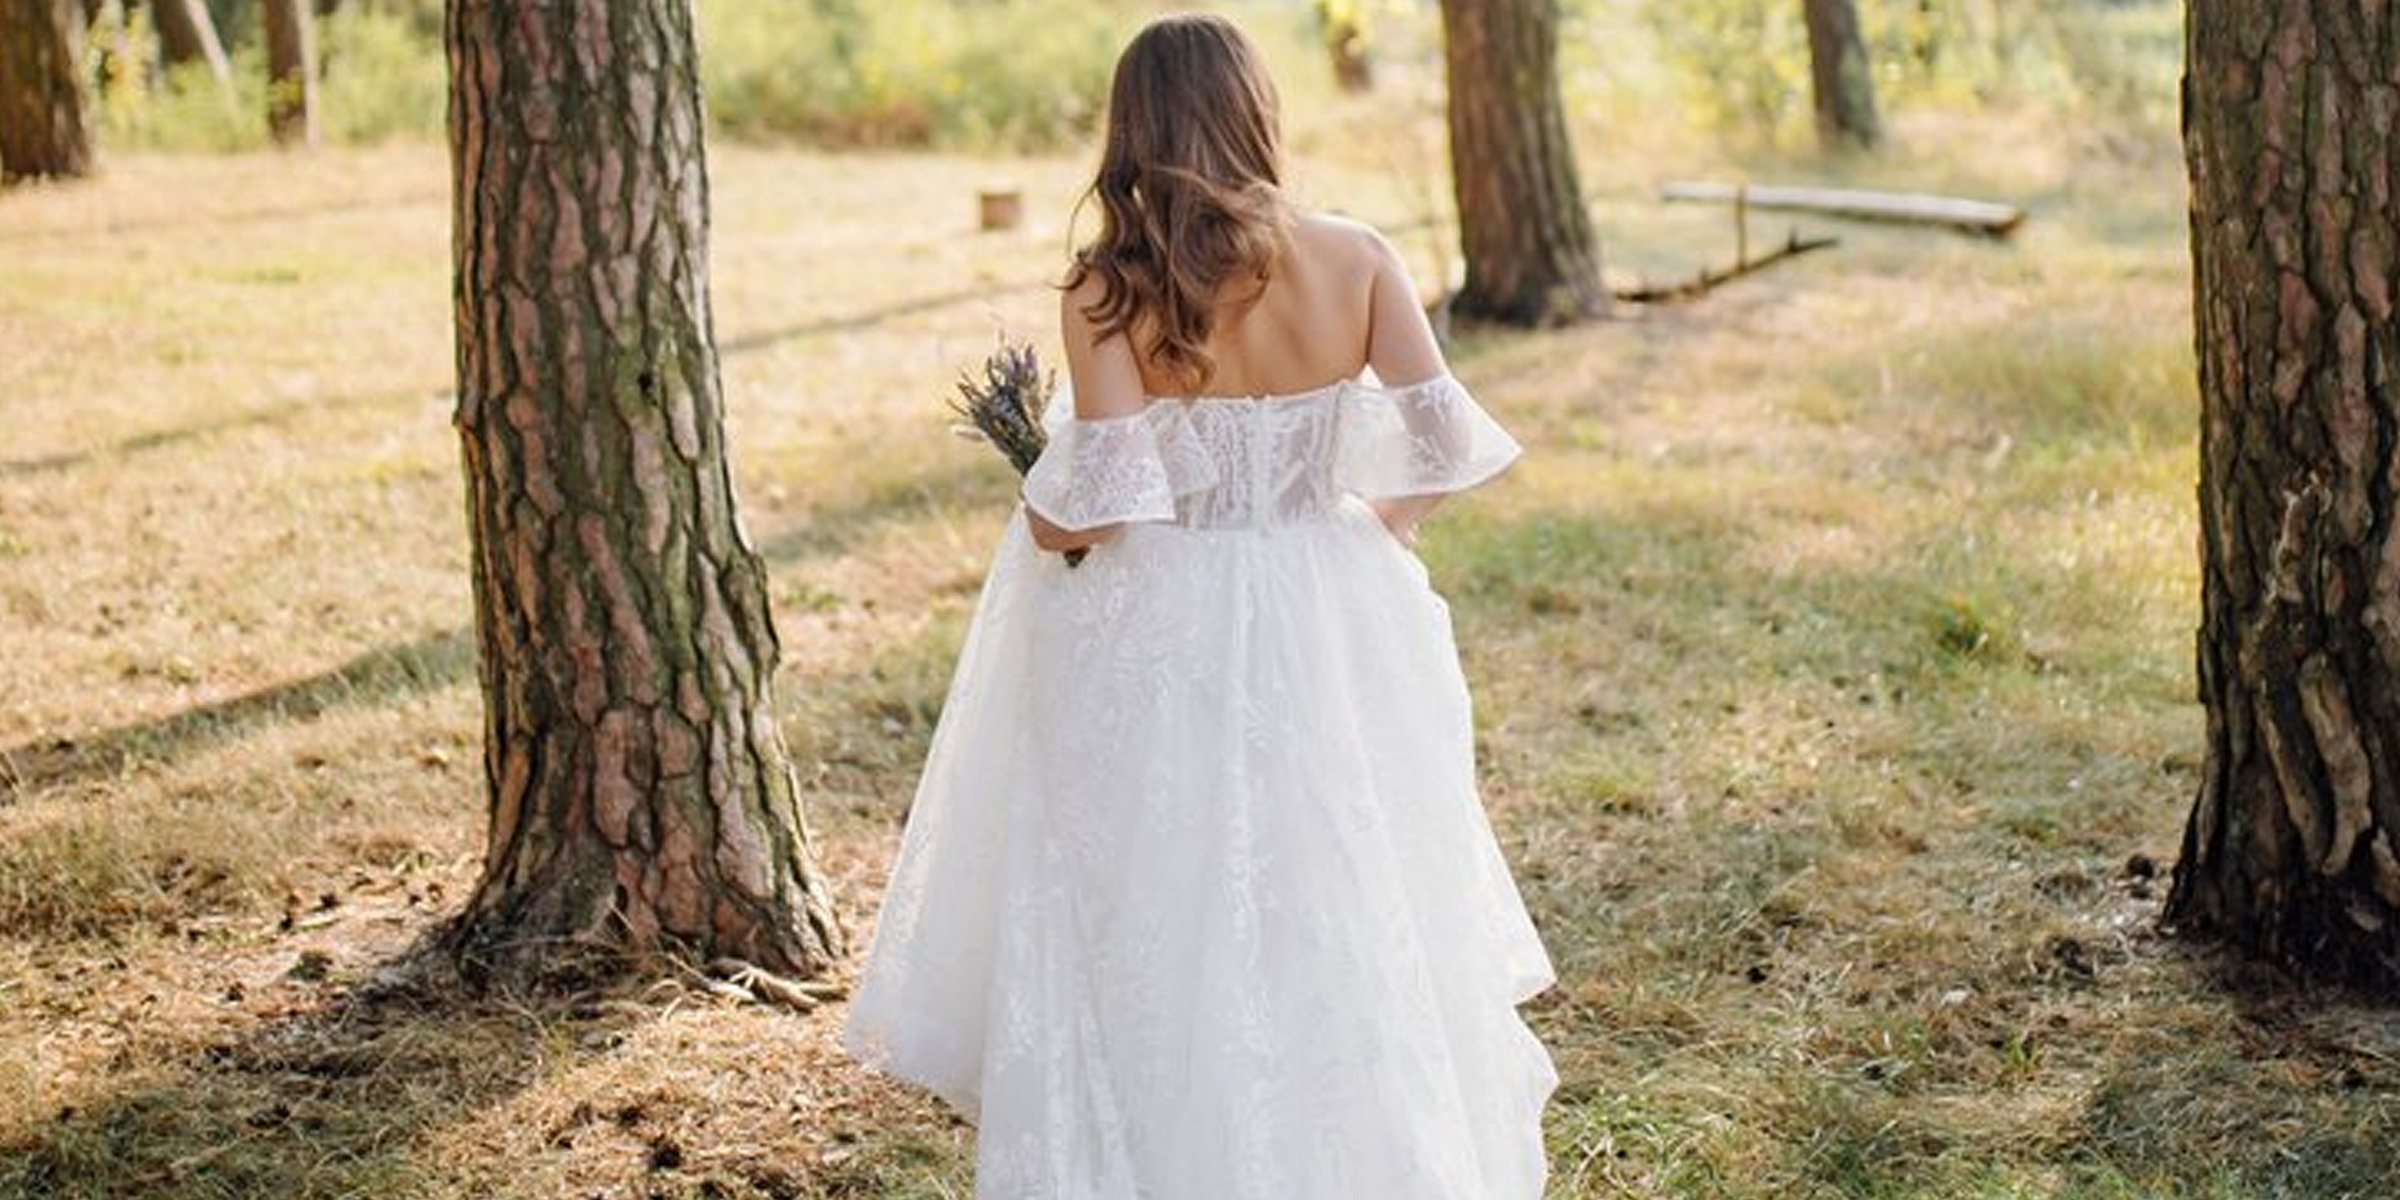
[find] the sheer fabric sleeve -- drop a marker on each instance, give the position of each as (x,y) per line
(1111,470)
(1418,440)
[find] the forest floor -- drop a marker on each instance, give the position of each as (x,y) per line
(1831,650)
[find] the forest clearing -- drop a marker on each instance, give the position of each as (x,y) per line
(1832,652)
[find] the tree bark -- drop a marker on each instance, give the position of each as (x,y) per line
(639,788)
(2291,852)
(1532,258)
(1843,77)
(44,130)
(291,75)
(186,34)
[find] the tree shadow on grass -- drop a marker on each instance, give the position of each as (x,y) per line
(348,1092)
(338,1098)
(761,339)
(325,1101)
(277,215)
(441,659)
(262,417)
(2084,1047)
(830,531)
(2298,1094)
(268,417)
(382,674)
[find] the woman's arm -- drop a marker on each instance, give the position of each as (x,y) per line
(1402,349)
(1107,382)
(1058,539)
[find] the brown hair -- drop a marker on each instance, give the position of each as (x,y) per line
(1189,188)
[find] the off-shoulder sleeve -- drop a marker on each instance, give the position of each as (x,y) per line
(1418,440)
(1110,470)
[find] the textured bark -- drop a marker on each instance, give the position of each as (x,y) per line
(640,792)
(2292,851)
(186,34)
(44,132)
(1532,258)
(1843,76)
(291,79)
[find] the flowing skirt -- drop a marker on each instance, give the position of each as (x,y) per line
(1197,900)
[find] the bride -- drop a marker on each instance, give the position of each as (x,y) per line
(1197,900)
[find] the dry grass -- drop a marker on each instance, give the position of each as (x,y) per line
(1831,653)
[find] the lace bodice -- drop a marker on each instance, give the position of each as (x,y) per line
(1253,462)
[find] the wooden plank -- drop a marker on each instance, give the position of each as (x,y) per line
(1951,212)
(1709,279)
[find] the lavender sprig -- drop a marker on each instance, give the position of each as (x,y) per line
(1005,406)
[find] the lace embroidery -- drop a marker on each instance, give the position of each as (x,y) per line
(1110,470)
(1232,463)
(1418,440)
(1195,899)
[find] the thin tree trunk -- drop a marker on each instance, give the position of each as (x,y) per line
(186,34)
(2291,849)
(640,791)
(291,77)
(1532,258)
(44,130)
(1343,26)
(1843,76)
(117,57)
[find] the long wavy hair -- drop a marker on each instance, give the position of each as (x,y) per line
(1189,188)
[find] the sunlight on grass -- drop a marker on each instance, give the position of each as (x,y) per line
(1830,651)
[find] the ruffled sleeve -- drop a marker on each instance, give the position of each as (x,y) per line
(1417,440)
(1111,470)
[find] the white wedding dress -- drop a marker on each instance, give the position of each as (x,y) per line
(1197,900)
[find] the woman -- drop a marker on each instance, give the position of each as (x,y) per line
(1197,900)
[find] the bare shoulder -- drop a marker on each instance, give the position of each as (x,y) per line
(1340,242)
(1077,300)
(1106,379)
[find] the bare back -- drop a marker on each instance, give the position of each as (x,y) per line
(1339,301)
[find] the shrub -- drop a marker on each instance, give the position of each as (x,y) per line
(1015,74)
(962,74)
(1743,67)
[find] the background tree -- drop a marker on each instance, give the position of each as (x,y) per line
(2290,851)
(1532,258)
(44,129)
(1842,76)
(291,73)
(639,788)
(187,34)
(1342,25)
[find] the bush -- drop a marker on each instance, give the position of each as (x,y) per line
(1016,74)
(967,74)
(383,77)
(1741,67)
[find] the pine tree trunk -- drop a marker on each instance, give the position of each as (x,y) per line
(1843,76)
(291,79)
(44,132)
(186,34)
(639,788)
(1532,258)
(2292,851)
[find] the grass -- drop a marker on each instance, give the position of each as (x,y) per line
(1831,655)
